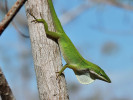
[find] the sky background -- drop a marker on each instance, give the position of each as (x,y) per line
(103,35)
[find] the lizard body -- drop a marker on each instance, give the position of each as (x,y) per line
(85,71)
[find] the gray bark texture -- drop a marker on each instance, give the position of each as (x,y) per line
(46,55)
(5,91)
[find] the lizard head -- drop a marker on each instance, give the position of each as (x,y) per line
(97,73)
(90,73)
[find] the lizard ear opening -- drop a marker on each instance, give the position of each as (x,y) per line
(84,77)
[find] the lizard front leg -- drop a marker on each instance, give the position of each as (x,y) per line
(49,33)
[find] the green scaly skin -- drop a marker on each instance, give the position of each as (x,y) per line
(71,55)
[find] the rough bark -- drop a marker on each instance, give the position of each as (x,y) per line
(46,55)
(5,91)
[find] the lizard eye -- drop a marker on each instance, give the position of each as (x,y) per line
(100,73)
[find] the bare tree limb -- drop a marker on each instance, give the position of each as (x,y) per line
(10,15)
(2,7)
(6,5)
(17,29)
(5,91)
(115,3)
(13,23)
(70,15)
(46,55)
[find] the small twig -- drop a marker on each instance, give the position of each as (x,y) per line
(6,6)
(2,7)
(115,3)
(72,14)
(13,23)
(21,33)
(5,91)
(10,15)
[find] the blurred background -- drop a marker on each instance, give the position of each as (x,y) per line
(102,31)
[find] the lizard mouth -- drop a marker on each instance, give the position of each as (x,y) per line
(87,76)
(99,77)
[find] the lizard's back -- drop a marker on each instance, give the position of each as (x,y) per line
(68,50)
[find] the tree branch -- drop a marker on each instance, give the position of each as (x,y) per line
(46,55)
(73,13)
(115,3)
(5,91)
(10,15)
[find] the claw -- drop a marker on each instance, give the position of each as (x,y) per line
(35,21)
(41,15)
(56,72)
(32,15)
(59,74)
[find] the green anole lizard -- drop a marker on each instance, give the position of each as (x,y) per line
(85,71)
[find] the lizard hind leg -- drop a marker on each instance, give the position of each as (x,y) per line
(65,66)
(83,75)
(60,72)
